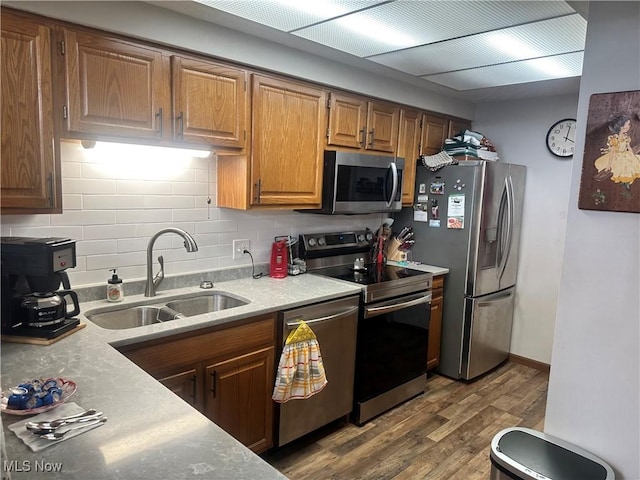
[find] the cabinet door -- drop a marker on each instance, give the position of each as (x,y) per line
(347,121)
(210,103)
(435,329)
(288,139)
(115,88)
(409,149)
(238,397)
(30,174)
(382,127)
(457,125)
(185,384)
(434,133)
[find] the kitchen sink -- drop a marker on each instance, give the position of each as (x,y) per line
(122,317)
(212,302)
(132,317)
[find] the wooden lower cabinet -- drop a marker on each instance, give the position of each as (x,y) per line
(185,385)
(238,397)
(227,374)
(435,323)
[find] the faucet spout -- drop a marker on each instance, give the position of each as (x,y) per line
(153,283)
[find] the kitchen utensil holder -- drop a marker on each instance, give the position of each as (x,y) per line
(394,253)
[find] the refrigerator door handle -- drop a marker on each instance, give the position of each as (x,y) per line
(506,227)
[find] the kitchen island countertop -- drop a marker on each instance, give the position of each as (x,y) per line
(150,433)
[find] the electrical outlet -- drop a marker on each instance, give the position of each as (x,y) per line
(239,246)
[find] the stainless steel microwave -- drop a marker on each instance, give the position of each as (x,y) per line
(357,183)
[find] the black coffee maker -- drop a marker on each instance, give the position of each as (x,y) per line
(32,271)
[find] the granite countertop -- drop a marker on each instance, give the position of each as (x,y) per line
(151,433)
(422,267)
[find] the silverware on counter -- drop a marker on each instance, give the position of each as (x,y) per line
(59,435)
(85,416)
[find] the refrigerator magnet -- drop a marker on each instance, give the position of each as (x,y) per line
(455,211)
(436,188)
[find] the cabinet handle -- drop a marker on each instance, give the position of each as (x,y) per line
(159,118)
(193,389)
(50,188)
(213,383)
(371,133)
(181,131)
(363,138)
(256,197)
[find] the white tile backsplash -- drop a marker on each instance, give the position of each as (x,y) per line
(112,213)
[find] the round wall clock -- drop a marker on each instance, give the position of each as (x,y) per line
(561,138)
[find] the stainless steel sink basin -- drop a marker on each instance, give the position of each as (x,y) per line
(205,303)
(122,317)
(132,317)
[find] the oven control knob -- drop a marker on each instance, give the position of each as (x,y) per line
(369,236)
(360,237)
(321,241)
(312,242)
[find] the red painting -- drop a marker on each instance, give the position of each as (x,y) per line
(611,163)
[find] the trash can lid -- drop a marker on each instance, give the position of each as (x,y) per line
(540,456)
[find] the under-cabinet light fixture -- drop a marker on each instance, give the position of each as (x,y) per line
(114,148)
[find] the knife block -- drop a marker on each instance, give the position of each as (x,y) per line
(393,252)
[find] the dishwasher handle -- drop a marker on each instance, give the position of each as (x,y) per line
(323,319)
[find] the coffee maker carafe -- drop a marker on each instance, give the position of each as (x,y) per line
(32,271)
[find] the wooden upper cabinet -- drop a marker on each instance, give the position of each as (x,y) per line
(457,125)
(210,102)
(288,130)
(434,132)
(409,149)
(382,127)
(357,123)
(115,87)
(347,121)
(30,172)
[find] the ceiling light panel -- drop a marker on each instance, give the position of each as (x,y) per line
(402,24)
(539,39)
(547,68)
(287,15)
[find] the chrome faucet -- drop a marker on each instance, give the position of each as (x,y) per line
(154,282)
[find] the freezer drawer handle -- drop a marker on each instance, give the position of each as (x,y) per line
(323,319)
(397,306)
(489,304)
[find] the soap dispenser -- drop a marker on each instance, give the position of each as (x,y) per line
(115,290)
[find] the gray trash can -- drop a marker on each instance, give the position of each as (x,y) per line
(525,454)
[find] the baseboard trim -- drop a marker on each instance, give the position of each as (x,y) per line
(544,367)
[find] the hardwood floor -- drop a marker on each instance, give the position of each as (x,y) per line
(444,434)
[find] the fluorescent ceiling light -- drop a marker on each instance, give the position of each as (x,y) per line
(518,50)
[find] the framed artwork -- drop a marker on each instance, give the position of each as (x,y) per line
(611,164)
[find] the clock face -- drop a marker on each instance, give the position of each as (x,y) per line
(561,138)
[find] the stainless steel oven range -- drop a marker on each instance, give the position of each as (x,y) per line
(393,320)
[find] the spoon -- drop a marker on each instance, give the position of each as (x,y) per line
(53,424)
(59,435)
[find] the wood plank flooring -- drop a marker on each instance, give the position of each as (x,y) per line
(444,434)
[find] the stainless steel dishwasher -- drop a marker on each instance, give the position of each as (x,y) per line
(335,324)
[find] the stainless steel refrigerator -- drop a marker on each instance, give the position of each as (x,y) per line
(466,217)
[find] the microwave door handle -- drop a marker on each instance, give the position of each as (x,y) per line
(394,189)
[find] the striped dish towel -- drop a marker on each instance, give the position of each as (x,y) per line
(300,370)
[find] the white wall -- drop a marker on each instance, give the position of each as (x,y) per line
(594,387)
(112,206)
(518,129)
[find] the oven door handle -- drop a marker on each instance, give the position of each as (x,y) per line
(373,311)
(323,319)
(394,188)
